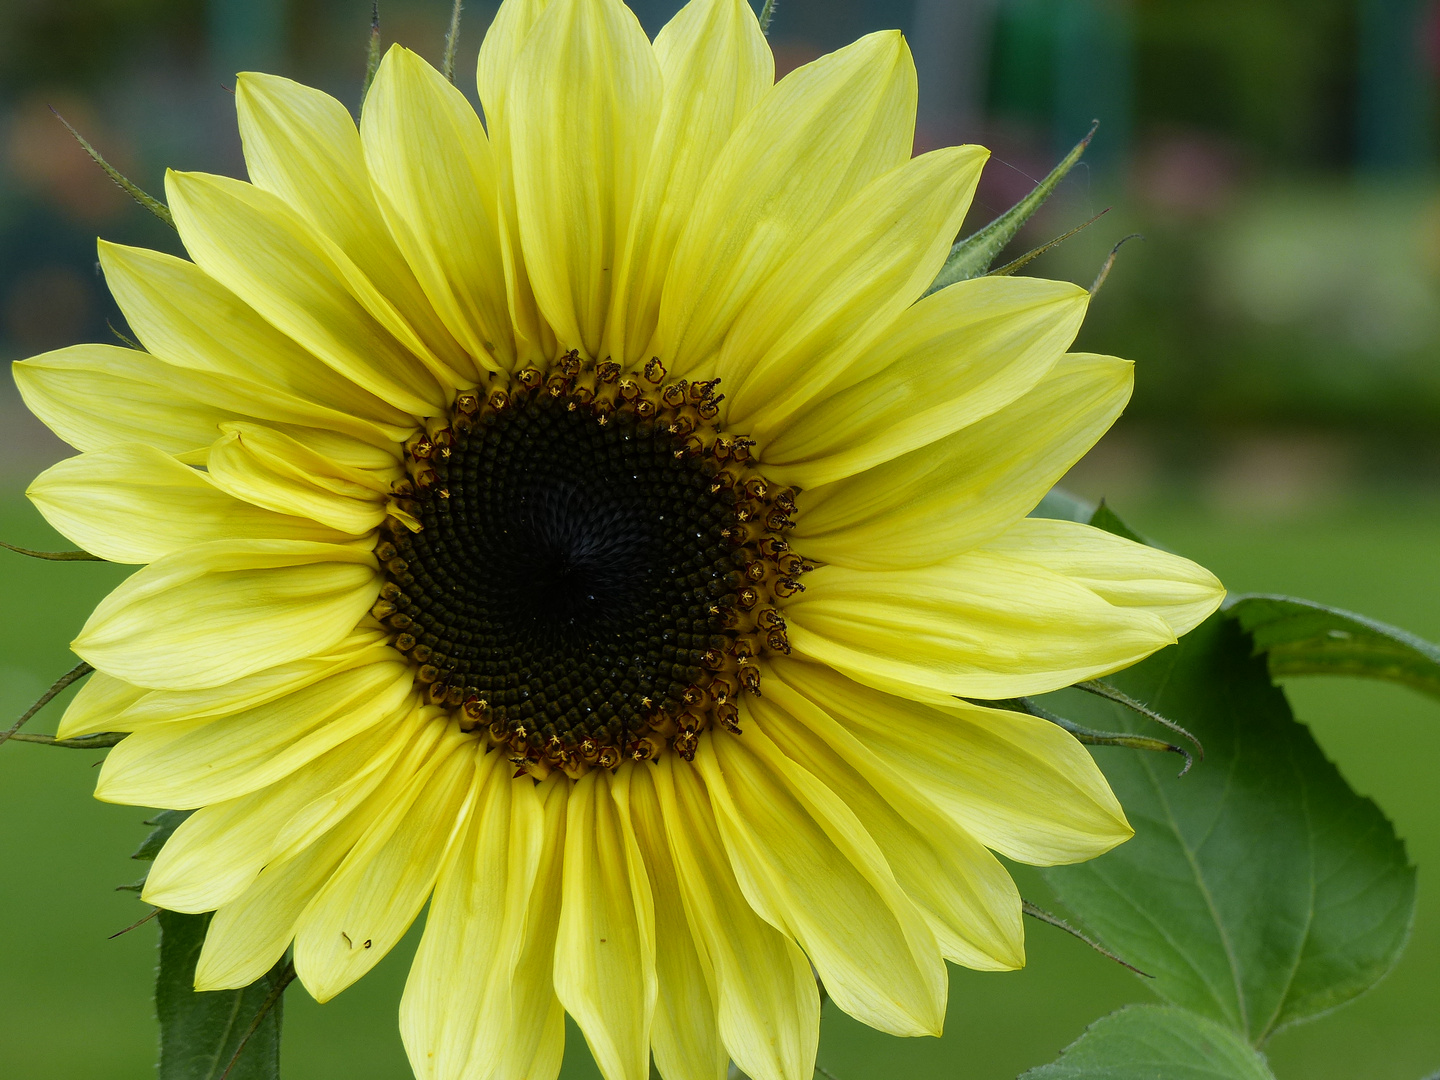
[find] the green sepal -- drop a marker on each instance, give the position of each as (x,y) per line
(124,183)
(165,822)
(1143,1042)
(973,256)
(1090,736)
(372,52)
(1300,637)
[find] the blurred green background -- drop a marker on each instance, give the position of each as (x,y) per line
(1283,309)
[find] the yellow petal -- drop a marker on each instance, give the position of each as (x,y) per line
(979,625)
(191,763)
(272,470)
(810,869)
(301,144)
(955,357)
(844,286)
(474,931)
(95,396)
(499,54)
(967,897)
(189,319)
(250,933)
(358,649)
(954,494)
(375,894)
(768,1006)
(302,283)
(605,944)
(685,1037)
(175,409)
(134,504)
(579,147)
(94,708)
(534,1042)
(716,65)
(1021,785)
(220,849)
(215,612)
(433,169)
(819,136)
(105,703)
(1124,573)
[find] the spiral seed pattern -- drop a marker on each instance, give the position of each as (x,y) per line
(590,569)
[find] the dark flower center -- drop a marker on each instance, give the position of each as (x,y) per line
(586,580)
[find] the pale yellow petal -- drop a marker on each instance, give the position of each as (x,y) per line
(685,1037)
(134,504)
(605,944)
(812,142)
(967,897)
(220,849)
(843,286)
(375,894)
(302,283)
(474,931)
(95,396)
(499,54)
(217,611)
(1124,573)
(269,469)
(431,163)
(192,763)
(809,868)
(301,144)
(580,145)
(979,625)
(768,1005)
(95,707)
(176,409)
(716,65)
(534,1042)
(955,357)
(954,494)
(249,934)
(357,649)
(1021,785)
(186,317)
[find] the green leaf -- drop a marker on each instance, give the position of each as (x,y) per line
(1259,890)
(972,256)
(1304,638)
(1149,1042)
(165,822)
(200,1032)
(1063,506)
(1107,519)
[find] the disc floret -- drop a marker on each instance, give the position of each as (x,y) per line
(585,567)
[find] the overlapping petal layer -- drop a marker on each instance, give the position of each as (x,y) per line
(636,203)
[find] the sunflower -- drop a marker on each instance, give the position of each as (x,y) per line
(585,523)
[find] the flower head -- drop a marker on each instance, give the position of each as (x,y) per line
(584,524)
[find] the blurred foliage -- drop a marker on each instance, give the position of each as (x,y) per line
(1276,77)
(83,42)
(1276,286)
